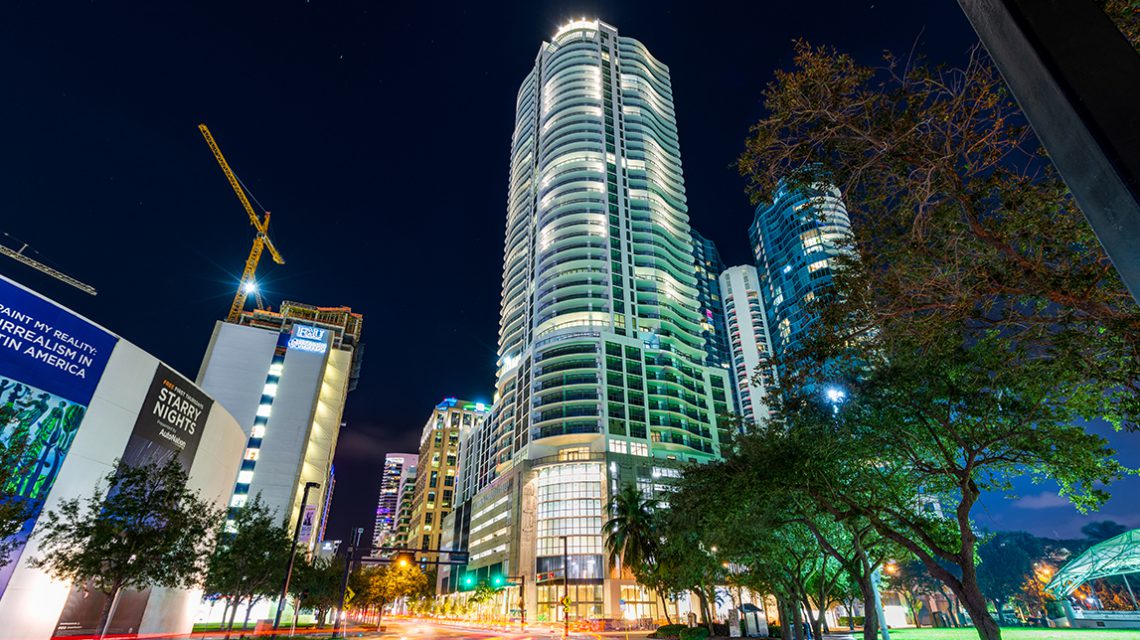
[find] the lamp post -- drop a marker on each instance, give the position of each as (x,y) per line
(565,587)
(293,553)
(522,598)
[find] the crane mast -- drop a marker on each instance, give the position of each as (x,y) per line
(261,241)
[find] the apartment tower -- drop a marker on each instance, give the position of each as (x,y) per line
(602,378)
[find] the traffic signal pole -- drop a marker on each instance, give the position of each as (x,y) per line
(344,583)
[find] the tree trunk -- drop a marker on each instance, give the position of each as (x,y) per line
(813,622)
(975,604)
(870,612)
(248,609)
(797,621)
(233,613)
(664,607)
(105,614)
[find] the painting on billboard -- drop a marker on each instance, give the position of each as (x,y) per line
(51,360)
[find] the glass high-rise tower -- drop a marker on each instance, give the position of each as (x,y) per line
(601,377)
(796,239)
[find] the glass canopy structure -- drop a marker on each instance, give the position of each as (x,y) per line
(1117,556)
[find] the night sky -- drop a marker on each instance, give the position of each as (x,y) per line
(378,134)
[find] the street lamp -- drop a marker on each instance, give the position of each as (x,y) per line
(293,553)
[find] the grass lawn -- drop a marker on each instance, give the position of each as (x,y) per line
(1016,633)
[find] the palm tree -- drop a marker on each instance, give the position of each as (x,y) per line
(631,538)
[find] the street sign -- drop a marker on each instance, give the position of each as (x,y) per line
(565,601)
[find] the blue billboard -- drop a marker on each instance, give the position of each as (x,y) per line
(50,363)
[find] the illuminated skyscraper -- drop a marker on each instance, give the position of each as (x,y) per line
(602,377)
(748,340)
(387,504)
(795,239)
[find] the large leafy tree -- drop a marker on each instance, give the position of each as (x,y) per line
(976,318)
(316,585)
(377,587)
(147,529)
(248,561)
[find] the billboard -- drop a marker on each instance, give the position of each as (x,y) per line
(168,427)
(50,363)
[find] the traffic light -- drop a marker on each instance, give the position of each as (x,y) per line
(497,581)
(468,581)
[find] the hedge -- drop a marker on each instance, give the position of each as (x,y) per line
(694,633)
(670,630)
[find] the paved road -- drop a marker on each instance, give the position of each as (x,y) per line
(423,630)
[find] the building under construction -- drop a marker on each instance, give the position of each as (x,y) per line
(285,375)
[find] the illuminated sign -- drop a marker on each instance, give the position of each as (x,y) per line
(306,338)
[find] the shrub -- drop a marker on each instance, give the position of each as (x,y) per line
(845,621)
(694,633)
(670,631)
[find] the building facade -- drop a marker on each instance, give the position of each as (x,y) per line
(285,376)
(435,490)
(88,402)
(749,341)
(403,521)
(796,239)
(602,376)
(387,505)
(709,266)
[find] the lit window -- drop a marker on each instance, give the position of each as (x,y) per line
(816,266)
(238,501)
(276,369)
(263,410)
(251,454)
(245,477)
(269,390)
(258,431)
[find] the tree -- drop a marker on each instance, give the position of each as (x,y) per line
(915,583)
(248,561)
(975,319)
(384,585)
(632,538)
(1006,561)
(1102,530)
(316,585)
(147,529)
(15,463)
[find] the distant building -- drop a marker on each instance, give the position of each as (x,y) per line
(387,504)
(796,239)
(285,375)
(435,488)
(709,266)
(406,493)
(748,339)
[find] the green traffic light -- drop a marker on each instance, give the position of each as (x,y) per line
(497,581)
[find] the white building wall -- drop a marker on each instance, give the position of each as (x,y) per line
(33,602)
(748,338)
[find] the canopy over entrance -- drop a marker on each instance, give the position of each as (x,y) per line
(1113,557)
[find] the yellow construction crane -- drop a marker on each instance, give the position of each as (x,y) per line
(248,283)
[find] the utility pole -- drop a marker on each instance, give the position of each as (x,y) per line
(348,554)
(293,553)
(565,587)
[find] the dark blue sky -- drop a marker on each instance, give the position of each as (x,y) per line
(378,135)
